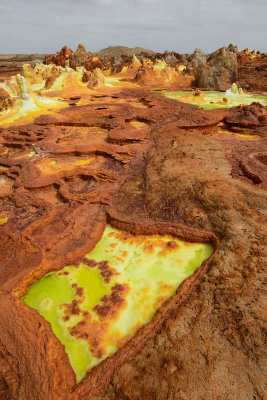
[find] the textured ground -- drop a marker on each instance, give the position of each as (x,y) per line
(252,73)
(157,165)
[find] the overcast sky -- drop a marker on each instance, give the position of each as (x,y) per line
(44,26)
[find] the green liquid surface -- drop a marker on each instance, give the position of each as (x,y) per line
(96,307)
(211,99)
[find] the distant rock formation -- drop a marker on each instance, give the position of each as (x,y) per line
(220,71)
(196,61)
(216,71)
(79,57)
(60,58)
(118,51)
(170,59)
(75,59)
(232,48)
(81,48)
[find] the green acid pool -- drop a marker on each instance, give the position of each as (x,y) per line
(94,308)
(210,99)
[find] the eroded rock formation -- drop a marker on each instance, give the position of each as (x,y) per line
(160,74)
(96,79)
(215,71)
(60,58)
(220,71)
(83,58)
(197,61)
(5,100)
(252,71)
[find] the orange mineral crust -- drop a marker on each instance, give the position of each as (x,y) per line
(102,177)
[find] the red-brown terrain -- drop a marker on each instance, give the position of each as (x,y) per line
(181,170)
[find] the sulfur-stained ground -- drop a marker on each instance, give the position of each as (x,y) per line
(147,164)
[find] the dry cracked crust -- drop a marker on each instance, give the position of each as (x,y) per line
(174,174)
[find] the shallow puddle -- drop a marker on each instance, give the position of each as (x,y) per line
(96,307)
(136,123)
(242,135)
(3,221)
(54,166)
(138,104)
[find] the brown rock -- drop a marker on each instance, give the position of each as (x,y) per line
(252,74)
(220,71)
(60,58)
(6,101)
(97,79)
(86,76)
(161,75)
(81,48)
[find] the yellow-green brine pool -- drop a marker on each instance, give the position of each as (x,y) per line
(98,305)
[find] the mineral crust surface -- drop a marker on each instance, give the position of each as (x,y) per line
(132,233)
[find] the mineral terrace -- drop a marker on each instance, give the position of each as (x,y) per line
(133,225)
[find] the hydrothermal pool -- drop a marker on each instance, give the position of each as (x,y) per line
(97,306)
(210,99)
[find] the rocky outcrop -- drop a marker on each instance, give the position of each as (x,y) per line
(170,59)
(232,48)
(50,80)
(118,51)
(60,58)
(96,79)
(79,57)
(220,71)
(252,71)
(160,74)
(75,59)
(196,61)
(93,63)
(6,101)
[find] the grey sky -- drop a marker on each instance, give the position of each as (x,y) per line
(44,26)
